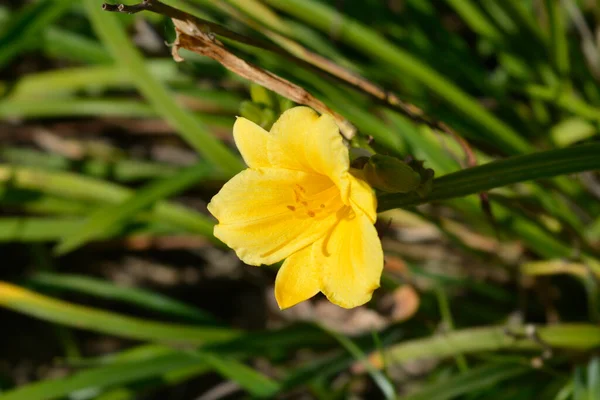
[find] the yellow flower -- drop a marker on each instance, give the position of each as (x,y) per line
(298,201)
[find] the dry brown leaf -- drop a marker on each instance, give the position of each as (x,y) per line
(406,303)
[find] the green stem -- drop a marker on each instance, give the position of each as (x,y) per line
(545,164)
(495,338)
(446,315)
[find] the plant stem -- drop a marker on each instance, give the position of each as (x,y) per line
(545,164)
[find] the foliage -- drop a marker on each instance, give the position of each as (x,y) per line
(485,295)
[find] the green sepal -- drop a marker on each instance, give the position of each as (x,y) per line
(390,174)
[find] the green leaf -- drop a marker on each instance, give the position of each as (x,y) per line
(254,382)
(24,27)
(87,189)
(125,169)
(108,290)
(101,221)
(545,164)
(377,47)
(35,229)
(593,378)
(384,384)
(73,108)
(131,61)
(67,45)
(98,379)
(67,81)
(469,382)
(569,131)
(61,312)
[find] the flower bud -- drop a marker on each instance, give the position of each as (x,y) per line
(265,117)
(251,111)
(263,96)
(390,174)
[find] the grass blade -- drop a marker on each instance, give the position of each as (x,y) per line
(108,290)
(190,128)
(24,28)
(31,229)
(70,80)
(60,312)
(364,39)
(101,221)
(124,170)
(101,378)
(82,188)
(386,387)
(73,108)
(545,164)
(255,383)
(469,382)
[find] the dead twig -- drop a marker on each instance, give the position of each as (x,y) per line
(301,55)
(202,30)
(198,35)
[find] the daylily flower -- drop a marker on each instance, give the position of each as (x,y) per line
(299,201)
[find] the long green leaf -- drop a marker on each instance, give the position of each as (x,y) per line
(32,229)
(254,382)
(125,170)
(546,164)
(60,312)
(68,80)
(57,108)
(469,382)
(82,188)
(386,387)
(102,378)
(25,26)
(190,128)
(142,364)
(366,40)
(63,45)
(108,290)
(99,222)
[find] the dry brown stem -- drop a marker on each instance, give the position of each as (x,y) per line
(197,35)
(200,38)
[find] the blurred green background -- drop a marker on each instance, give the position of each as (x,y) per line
(112,286)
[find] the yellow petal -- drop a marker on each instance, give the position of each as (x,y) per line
(251,140)
(267,214)
(351,259)
(303,141)
(297,279)
(362,198)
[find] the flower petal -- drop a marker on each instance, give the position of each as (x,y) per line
(362,198)
(298,279)
(251,140)
(351,259)
(267,214)
(303,141)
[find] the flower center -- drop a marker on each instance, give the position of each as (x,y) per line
(314,205)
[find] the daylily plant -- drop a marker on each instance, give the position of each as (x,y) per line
(299,201)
